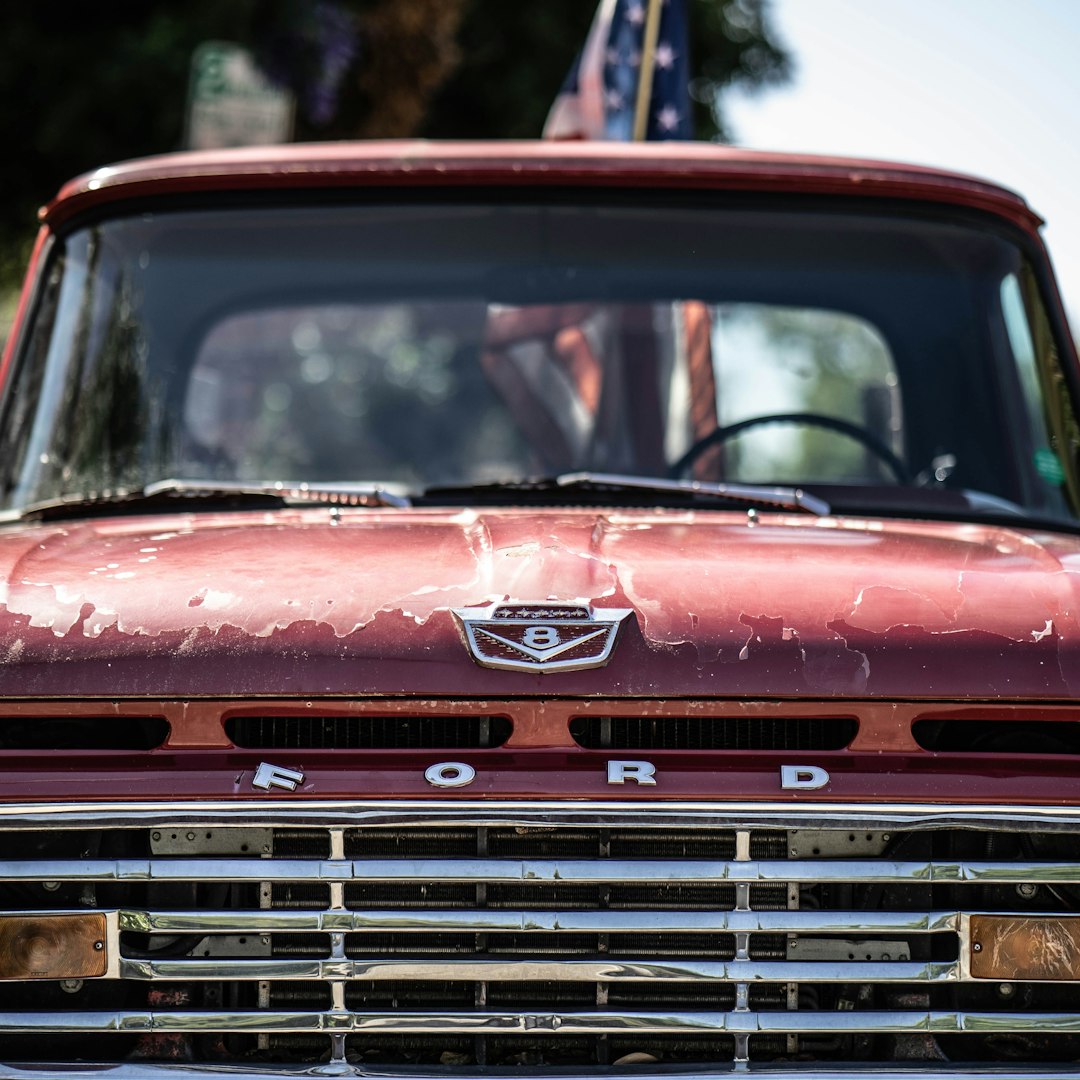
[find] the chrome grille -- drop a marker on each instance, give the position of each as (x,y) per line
(540,936)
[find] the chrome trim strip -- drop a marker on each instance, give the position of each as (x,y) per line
(698,871)
(496,919)
(543,871)
(440,969)
(533,1024)
(164,869)
(806,1071)
(795,814)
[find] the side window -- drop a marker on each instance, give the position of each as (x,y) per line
(809,366)
(1048,407)
(28,375)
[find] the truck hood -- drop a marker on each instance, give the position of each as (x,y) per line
(307,603)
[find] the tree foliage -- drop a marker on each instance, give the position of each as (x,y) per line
(111,81)
(513,68)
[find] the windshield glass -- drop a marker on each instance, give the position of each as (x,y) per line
(460,344)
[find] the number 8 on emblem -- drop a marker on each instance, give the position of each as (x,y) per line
(542,637)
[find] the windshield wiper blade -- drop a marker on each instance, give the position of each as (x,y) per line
(180,494)
(289,491)
(784,498)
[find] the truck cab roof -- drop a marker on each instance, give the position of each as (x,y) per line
(450,164)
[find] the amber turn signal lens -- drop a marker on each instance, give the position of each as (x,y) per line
(52,946)
(1008,948)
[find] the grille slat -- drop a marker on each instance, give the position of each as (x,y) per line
(540,871)
(817,922)
(442,969)
(549,1025)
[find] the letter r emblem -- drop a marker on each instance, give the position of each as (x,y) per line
(640,772)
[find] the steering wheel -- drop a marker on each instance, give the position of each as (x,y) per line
(867,439)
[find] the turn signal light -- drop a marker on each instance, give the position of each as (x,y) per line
(1012,947)
(53,946)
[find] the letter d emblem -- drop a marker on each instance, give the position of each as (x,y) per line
(802,777)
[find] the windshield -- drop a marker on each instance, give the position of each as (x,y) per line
(885,357)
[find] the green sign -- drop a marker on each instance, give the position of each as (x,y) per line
(232,103)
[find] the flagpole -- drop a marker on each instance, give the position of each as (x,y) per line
(645,72)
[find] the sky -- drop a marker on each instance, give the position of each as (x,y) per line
(987,87)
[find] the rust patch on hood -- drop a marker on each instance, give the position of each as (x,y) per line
(285,602)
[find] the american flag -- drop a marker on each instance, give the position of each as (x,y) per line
(598,98)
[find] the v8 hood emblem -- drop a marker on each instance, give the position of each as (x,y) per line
(541,637)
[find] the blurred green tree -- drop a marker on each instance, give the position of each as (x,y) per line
(513,68)
(93,83)
(89,84)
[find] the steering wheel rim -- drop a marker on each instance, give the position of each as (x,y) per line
(867,439)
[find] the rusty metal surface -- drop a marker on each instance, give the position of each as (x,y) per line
(540,758)
(289,603)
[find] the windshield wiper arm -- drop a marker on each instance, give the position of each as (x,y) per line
(180,494)
(784,498)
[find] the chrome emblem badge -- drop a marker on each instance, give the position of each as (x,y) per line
(269,776)
(541,637)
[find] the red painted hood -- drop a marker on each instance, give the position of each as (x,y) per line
(291,603)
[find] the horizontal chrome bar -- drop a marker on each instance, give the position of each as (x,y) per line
(544,871)
(165,869)
(441,969)
(144,1070)
(699,871)
(718,814)
(553,1024)
(606,921)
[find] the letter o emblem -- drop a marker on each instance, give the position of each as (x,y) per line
(450,774)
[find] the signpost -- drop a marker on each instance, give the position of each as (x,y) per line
(232,103)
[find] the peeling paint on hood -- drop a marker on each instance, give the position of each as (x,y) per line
(286,603)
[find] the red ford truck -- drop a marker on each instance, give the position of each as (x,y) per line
(511,610)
